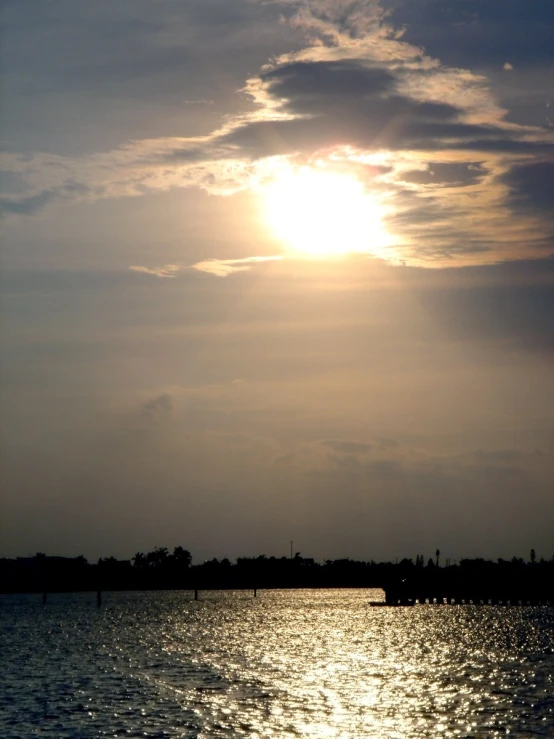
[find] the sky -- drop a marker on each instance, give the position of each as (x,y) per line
(277,270)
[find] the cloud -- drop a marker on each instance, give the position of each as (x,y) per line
(520,315)
(478,32)
(360,88)
(347,447)
(405,464)
(531,187)
(225,267)
(126,418)
(140,474)
(168,270)
(26,205)
(84,80)
(162,404)
(326,104)
(217,267)
(530,196)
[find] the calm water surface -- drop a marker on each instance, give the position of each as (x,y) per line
(286,664)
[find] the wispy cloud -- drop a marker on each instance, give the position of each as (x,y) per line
(168,270)
(217,267)
(225,267)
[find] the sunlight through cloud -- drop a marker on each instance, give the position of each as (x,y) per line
(318,212)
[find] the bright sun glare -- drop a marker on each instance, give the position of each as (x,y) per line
(321,213)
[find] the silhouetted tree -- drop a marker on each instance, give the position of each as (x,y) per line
(182,557)
(139,561)
(515,578)
(158,557)
(107,561)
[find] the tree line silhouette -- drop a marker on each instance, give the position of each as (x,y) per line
(404,581)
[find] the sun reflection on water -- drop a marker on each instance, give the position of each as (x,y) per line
(287,664)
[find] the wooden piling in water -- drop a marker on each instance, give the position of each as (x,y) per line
(504,598)
(195,594)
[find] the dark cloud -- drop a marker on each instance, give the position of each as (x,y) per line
(447,174)
(33,204)
(160,405)
(478,32)
(502,145)
(303,82)
(394,123)
(26,206)
(360,104)
(532,188)
(116,49)
(347,102)
(82,79)
(520,315)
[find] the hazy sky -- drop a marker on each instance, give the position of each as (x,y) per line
(278,270)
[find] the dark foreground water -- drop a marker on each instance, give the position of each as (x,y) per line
(286,664)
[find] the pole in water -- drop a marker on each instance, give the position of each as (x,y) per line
(195,594)
(44,595)
(98,598)
(255,592)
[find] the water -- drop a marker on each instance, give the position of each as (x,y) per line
(286,664)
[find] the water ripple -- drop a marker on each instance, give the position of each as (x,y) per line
(286,664)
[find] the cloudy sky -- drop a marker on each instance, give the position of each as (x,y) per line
(278,270)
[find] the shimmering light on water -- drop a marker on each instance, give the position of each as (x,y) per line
(286,664)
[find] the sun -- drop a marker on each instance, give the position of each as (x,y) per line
(320,213)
